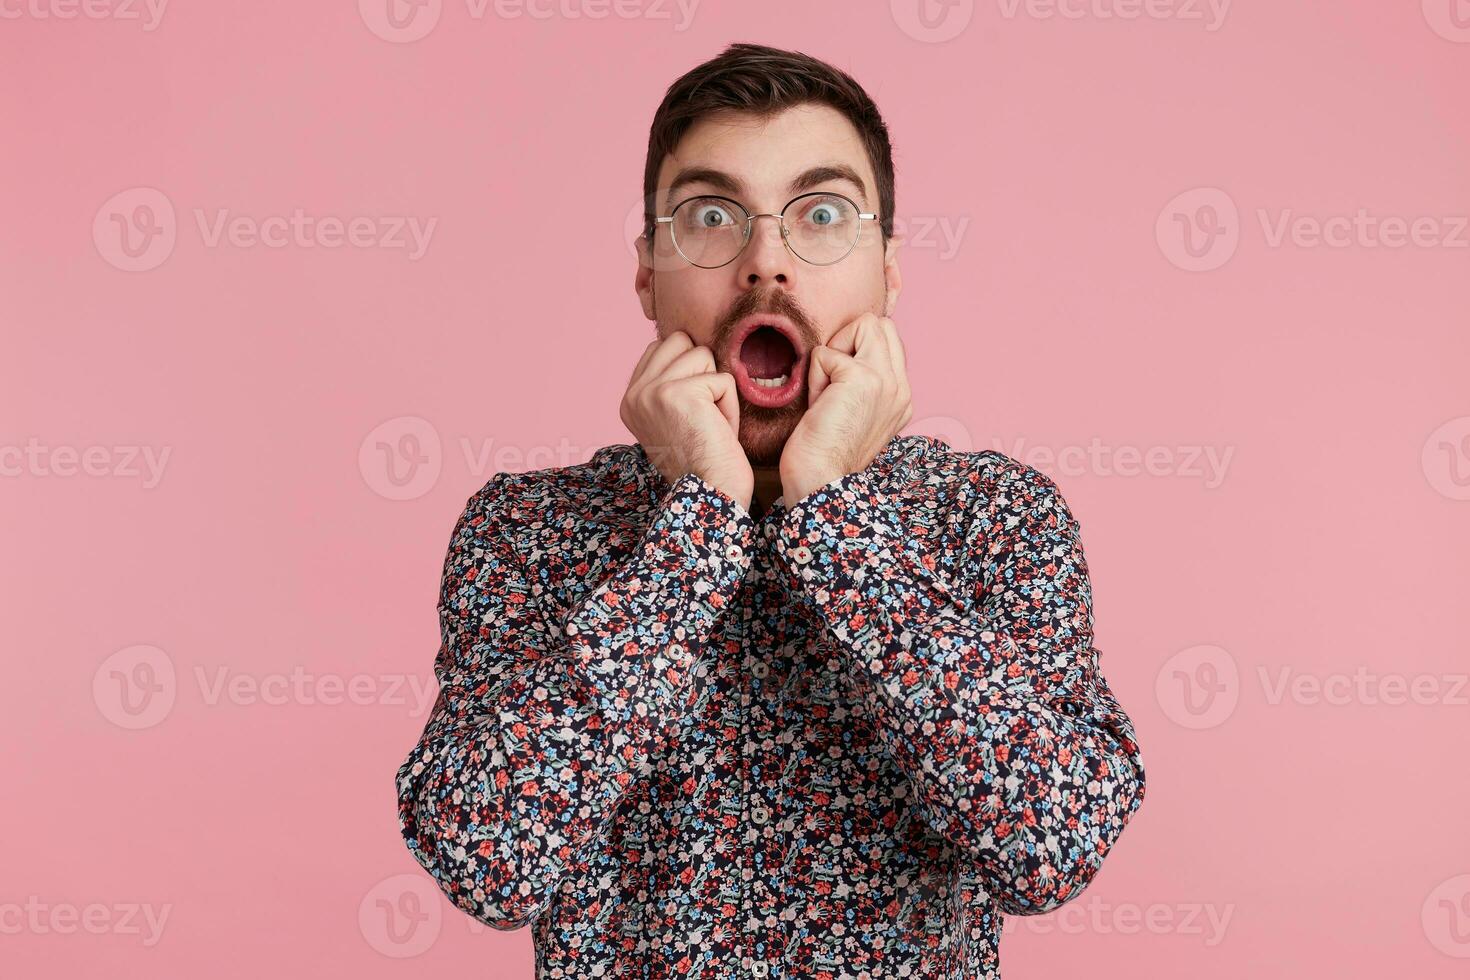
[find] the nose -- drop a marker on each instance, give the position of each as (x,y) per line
(766,257)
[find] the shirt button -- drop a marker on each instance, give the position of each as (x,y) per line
(760,814)
(759,968)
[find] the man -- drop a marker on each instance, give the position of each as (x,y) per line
(774,691)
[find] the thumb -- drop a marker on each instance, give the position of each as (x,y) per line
(722,392)
(820,373)
(828,365)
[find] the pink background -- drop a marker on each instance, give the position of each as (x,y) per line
(1284,833)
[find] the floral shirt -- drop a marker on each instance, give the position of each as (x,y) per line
(837,741)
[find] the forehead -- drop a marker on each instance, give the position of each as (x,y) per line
(767,152)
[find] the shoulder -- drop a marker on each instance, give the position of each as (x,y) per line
(991,490)
(539,508)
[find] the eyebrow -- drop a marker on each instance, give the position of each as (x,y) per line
(734,186)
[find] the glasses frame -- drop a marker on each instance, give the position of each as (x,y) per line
(750,223)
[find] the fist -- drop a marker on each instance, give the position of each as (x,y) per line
(686,415)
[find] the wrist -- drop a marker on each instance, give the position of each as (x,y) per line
(797,487)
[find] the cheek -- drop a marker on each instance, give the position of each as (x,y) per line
(680,309)
(846,297)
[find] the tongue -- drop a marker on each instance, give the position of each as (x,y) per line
(766,353)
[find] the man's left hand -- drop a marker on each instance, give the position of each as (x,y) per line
(857,400)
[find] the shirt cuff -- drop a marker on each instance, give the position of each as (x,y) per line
(836,529)
(691,558)
(683,572)
(698,523)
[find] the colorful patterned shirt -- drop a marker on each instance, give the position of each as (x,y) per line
(837,741)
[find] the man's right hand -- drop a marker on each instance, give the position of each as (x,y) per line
(686,415)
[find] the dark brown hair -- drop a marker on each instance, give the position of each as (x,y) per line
(757,79)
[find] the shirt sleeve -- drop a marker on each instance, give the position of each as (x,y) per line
(987,696)
(539,727)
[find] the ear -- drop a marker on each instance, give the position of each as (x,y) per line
(643,277)
(892,280)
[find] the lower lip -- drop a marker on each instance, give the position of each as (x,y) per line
(770,397)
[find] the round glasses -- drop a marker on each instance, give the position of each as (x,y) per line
(820,228)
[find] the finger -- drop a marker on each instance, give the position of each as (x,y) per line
(850,338)
(727,398)
(695,360)
(895,347)
(669,348)
(816,373)
(845,339)
(719,388)
(900,370)
(862,338)
(870,343)
(828,366)
(643,359)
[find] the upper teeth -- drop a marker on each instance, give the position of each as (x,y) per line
(775,382)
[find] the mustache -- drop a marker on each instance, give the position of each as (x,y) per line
(777,302)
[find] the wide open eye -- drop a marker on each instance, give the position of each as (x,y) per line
(707,214)
(824,214)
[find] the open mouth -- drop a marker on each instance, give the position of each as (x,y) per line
(769,365)
(768,357)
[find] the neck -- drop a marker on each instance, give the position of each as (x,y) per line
(767,488)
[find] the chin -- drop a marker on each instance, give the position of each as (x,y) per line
(764,431)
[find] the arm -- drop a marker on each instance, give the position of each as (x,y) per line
(538,732)
(991,702)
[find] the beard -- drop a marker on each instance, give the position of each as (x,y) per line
(763,430)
